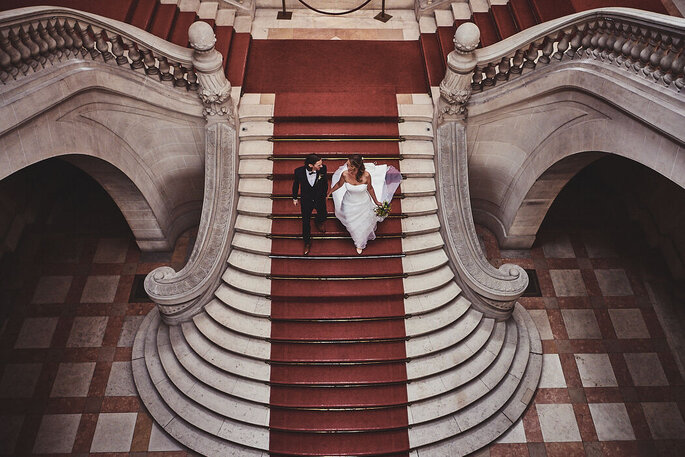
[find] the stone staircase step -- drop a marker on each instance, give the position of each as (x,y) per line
(425,303)
(235,321)
(421,283)
(246,303)
(436,319)
(445,337)
(417,149)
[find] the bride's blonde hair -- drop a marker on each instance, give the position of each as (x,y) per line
(357,162)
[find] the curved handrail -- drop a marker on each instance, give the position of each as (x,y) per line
(34,37)
(649,44)
(493,291)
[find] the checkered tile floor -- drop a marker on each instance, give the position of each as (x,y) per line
(609,384)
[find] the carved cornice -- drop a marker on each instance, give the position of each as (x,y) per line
(493,291)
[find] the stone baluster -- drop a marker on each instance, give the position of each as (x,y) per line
(35,59)
(179,80)
(5,66)
(640,52)
(629,47)
(669,64)
(165,69)
(623,34)
(592,50)
(586,43)
(477,80)
(215,89)
(664,64)
(563,44)
(75,35)
(530,55)
(658,43)
(490,72)
(43,48)
(150,63)
(504,66)
(87,40)
(576,41)
(61,47)
(456,87)
(547,49)
(612,34)
(28,63)
(117,48)
(16,63)
(102,45)
(133,54)
(516,64)
(599,40)
(191,77)
(678,72)
(51,43)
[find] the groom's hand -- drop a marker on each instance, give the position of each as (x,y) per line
(295,201)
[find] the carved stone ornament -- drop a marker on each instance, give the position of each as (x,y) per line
(215,90)
(455,88)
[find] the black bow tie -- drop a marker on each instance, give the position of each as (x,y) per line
(311,172)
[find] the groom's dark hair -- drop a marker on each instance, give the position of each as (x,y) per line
(311,159)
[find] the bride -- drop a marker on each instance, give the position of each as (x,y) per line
(355,196)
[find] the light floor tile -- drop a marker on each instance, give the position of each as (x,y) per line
(36,332)
(595,370)
(57,434)
(558,246)
(129,330)
(541,320)
(87,331)
(612,422)
(552,374)
(664,420)
(161,441)
(516,434)
(73,379)
(628,323)
(581,324)
(19,380)
(120,383)
(113,432)
(645,369)
(558,422)
(51,289)
(111,250)
(100,289)
(613,283)
(568,283)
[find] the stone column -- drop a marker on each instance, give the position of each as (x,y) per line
(455,88)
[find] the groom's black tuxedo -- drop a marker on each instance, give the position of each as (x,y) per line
(312,197)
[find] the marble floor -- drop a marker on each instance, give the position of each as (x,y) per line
(72,304)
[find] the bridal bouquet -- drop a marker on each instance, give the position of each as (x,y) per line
(383,210)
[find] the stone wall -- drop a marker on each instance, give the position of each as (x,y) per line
(143,141)
(529,137)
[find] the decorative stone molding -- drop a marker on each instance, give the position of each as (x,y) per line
(493,291)
(180,295)
(455,88)
(35,38)
(424,7)
(216,89)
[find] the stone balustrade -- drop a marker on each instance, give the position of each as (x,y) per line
(32,39)
(646,44)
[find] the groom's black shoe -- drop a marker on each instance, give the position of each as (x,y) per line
(307,247)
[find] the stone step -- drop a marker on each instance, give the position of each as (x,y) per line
(255,112)
(438,318)
(255,305)
(416,130)
(244,324)
(426,282)
(445,337)
(421,112)
(255,130)
(417,149)
(255,149)
(250,344)
(417,168)
(430,301)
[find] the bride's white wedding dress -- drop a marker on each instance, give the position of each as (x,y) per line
(354,206)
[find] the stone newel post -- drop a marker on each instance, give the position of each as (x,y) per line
(455,88)
(215,89)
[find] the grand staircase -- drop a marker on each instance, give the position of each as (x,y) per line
(337,353)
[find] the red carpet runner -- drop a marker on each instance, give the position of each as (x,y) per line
(338,376)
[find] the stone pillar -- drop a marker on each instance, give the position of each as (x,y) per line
(455,88)
(215,89)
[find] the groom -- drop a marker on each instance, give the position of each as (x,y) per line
(313,182)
